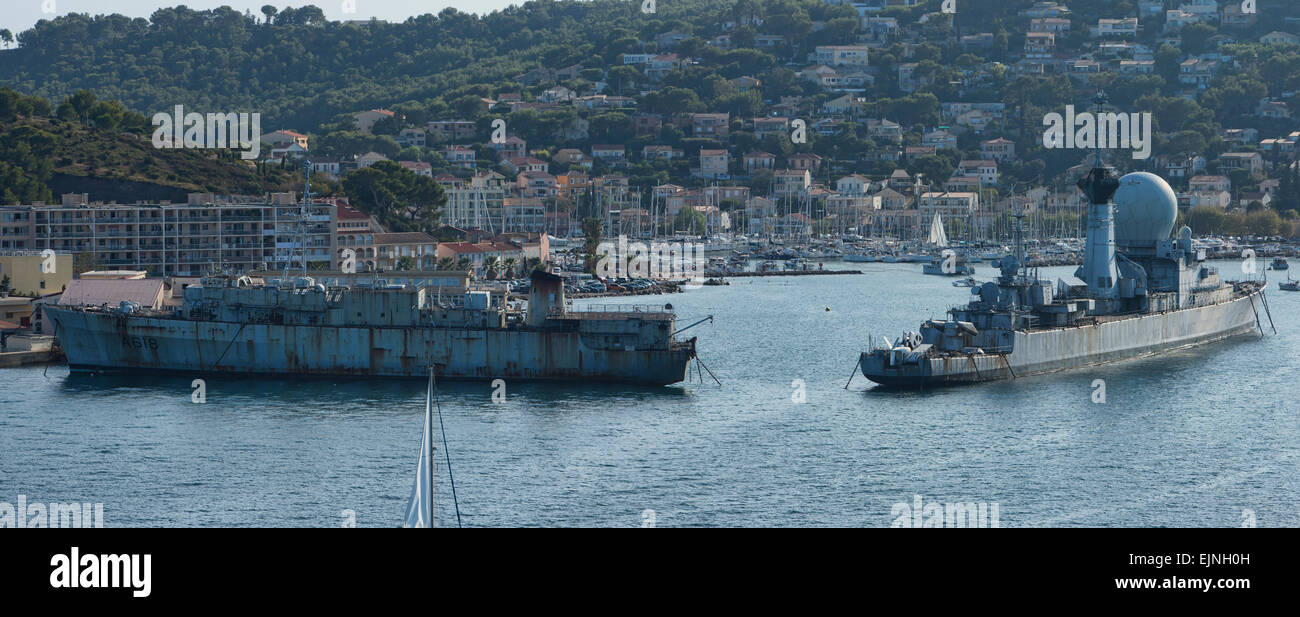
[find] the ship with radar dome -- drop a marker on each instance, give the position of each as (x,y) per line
(1142,290)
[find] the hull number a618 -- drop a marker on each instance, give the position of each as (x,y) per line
(140,342)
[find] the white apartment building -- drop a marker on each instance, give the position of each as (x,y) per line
(208,233)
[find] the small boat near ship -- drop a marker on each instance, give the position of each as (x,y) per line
(860,258)
(1279,263)
(950,264)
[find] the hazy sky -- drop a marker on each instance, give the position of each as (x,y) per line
(19,15)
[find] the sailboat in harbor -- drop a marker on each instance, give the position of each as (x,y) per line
(949,263)
(938,237)
(419,508)
(1289,284)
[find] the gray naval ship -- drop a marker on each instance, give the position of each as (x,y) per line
(1140,291)
(296,326)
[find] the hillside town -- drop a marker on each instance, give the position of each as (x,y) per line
(826,161)
(881,138)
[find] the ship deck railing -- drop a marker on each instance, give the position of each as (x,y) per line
(614,311)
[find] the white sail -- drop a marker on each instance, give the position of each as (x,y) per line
(419,510)
(937,235)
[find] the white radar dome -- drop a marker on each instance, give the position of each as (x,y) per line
(1145,209)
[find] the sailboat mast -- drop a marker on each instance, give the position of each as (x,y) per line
(428,427)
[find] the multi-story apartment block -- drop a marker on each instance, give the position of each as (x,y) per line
(1000,149)
(710,125)
(450,130)
(1116,27)
(478,202)
(788,182)
(460,156)
(208,233)
(841,55)
(714,164)
(947,204)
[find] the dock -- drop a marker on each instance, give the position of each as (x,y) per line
(13,359)
(785,273)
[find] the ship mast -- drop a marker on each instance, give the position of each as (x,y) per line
(300,230)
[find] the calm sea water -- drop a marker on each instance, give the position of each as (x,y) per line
(1192,438)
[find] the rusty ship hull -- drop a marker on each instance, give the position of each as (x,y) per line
(104,341)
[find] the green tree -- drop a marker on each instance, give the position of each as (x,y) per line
(77,106)
(689,221)
(623,76)
(400,198)
(591,234)
(1195,36)
(1205,219)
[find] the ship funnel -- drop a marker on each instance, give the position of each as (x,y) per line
(1100,270)
(545,297)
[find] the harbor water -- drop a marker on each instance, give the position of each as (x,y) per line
(1203,437)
